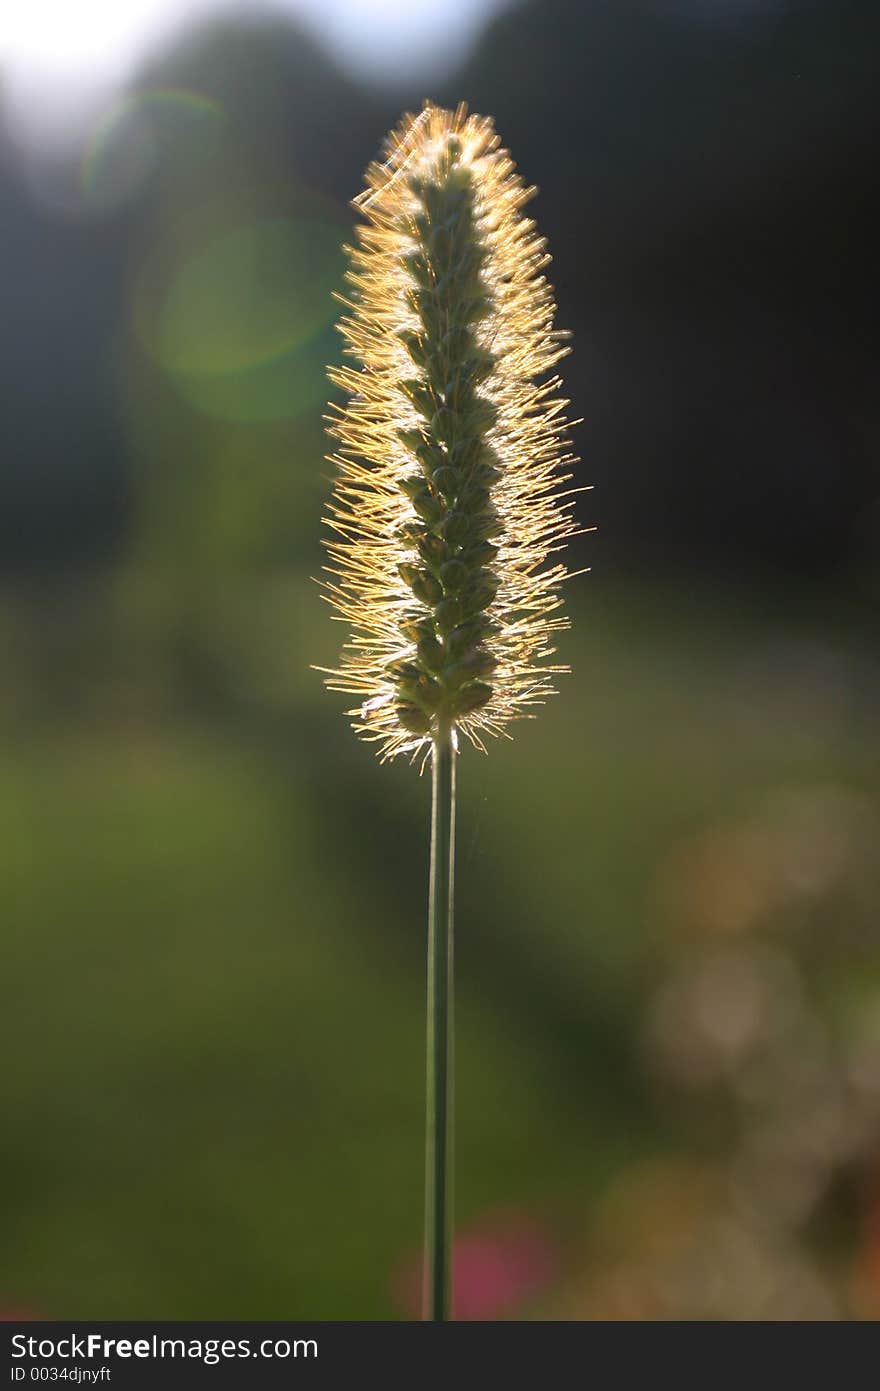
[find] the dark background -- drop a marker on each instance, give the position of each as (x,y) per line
(669,1025)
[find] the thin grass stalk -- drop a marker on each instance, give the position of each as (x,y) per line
(440,1071)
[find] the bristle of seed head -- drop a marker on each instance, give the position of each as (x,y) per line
(451,455)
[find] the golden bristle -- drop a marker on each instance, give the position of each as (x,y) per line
(451,463)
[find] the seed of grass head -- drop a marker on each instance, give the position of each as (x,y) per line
(449,502)
(451,460)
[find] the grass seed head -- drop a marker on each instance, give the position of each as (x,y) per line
(449,500)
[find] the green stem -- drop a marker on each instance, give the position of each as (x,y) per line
(438,1135)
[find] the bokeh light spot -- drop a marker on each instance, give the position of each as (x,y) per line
(126,143)
(243,325)
(248,297)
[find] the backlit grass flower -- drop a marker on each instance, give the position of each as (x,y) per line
(450,504)
(450,500)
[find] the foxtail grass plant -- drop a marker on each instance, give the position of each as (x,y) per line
(450,502)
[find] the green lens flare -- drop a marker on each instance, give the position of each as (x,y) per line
(242,327)
(128,141)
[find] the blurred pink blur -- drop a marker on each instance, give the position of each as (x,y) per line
(500,1263)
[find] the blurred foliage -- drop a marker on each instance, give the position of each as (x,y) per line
(709,191)
(668,950)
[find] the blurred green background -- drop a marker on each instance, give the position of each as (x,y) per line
(668,957)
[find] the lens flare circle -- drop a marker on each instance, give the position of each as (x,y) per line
(241,322)
(125,144)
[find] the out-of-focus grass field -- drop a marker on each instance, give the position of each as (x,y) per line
(214,942)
